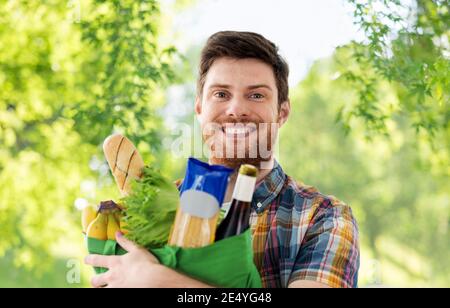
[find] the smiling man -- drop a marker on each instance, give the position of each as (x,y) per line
(301,238)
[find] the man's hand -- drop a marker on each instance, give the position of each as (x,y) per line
(136,269)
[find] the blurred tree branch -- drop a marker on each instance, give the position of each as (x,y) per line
(409,47)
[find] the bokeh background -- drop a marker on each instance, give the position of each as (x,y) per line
(369,89)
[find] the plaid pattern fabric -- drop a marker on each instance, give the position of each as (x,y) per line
(301,234)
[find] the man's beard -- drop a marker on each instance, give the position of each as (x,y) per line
(231,151)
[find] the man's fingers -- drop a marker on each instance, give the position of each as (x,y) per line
(131,246)
(100,261)
(125,243)
(99,281)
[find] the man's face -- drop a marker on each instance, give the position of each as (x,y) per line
(239,112)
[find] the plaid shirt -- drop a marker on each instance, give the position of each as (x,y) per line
(300,234)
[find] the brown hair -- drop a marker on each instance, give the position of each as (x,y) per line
(241,45)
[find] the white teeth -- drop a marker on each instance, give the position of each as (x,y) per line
(236,130)
(240,130)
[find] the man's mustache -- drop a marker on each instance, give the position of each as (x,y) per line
(238,121)
(211,127)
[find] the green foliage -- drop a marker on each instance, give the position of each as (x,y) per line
(409,47)
(13,277)
(150,209)
(125,71)
(71,73)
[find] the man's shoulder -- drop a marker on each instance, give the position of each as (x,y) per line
(305,195)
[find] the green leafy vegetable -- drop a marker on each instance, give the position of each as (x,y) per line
(150,209)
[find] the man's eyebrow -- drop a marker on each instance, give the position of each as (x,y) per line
(256,86)
(252,87)
(219,85)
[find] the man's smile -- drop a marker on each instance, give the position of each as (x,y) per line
(238,130)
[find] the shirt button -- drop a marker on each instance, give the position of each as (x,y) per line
(259,205)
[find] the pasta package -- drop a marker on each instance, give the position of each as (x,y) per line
(201,197)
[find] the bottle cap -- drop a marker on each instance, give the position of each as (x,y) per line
(249,170)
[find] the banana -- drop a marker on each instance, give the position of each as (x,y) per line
(104,223)
(98,228)
(113,227)
(118,216)
(87,216)
(121,222)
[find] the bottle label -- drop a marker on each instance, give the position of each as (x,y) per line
(244,188)
(211,179)
(199,204)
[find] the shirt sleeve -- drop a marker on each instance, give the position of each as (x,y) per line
(329,253)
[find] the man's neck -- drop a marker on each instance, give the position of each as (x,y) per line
(263,172)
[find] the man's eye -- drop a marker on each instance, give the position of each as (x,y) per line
(257,96)
(220,94)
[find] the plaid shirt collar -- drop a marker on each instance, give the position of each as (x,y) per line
(269,188)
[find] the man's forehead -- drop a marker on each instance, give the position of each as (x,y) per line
(241,73)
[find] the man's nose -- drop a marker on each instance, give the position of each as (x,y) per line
(237,108)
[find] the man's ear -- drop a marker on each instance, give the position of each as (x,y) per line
(198,105)
(283,113)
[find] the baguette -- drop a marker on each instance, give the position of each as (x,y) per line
(124,160)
